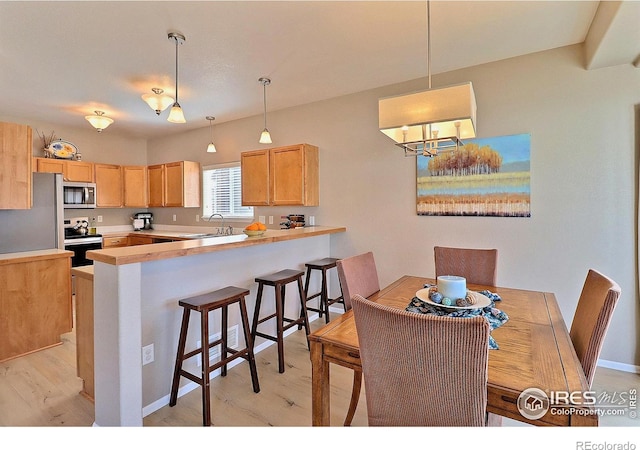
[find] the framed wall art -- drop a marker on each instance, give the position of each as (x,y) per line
(485,177)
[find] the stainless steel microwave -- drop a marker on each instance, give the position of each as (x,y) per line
(78,195)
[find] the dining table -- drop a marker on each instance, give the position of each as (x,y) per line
(534,351)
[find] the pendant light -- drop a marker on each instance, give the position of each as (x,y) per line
(99,121)
(422,122)
(176,115)
(211,148)
(265,137)
(158,101)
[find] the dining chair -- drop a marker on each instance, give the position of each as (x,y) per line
(357,275)
(591,320)
(478,266)
(422,369)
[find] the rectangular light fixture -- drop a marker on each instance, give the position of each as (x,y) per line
(421,119)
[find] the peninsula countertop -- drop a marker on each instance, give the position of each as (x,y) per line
(153,252)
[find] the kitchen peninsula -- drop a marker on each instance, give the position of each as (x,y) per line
(136,294)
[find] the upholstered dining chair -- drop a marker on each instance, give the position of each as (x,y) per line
(591,320)
(478,266)
(421,369)
(357,275)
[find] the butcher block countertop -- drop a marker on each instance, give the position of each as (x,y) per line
(154,252)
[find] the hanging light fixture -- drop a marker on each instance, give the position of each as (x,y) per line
(265,137)
(211,148)
(176,115)
(158,101)
(99,121)
(423,122)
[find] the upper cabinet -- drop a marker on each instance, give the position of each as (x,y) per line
(281,176)
(81,171)
(175,184)
(136,186)
(109,187)
(15,166)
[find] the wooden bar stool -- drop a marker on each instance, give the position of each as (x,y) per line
(323,308)
(204,304)
(279,280)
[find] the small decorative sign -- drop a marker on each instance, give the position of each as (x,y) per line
(485,177)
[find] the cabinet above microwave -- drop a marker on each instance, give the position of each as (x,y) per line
(78,195)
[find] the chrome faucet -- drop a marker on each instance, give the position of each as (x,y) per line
(228,231)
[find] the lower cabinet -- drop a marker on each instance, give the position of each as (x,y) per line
(115,241)
(35,302)
(140,240)
(84,328)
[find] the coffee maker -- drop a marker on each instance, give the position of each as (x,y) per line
(142,221)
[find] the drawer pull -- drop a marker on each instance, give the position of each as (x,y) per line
(508,399)
(353,355)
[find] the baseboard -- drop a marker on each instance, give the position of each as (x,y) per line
(618,366)
(164,401)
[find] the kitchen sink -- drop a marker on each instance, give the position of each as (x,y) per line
(200,235)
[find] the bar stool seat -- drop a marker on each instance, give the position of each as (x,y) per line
(279,281)
(204,304)
(323,265)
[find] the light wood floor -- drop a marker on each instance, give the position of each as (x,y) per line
(42,389)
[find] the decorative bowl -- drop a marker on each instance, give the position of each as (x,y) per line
(252,233)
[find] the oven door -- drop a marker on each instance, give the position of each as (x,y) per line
(80,250)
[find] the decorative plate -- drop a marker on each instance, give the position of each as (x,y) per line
(63,149)
(481,300)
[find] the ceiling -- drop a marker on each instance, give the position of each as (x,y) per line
(63,60)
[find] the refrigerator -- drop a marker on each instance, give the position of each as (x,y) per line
(40,227)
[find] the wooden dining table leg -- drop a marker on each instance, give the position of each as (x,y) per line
(320,395)
(355,396)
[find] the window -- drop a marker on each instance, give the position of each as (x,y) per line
(222,192)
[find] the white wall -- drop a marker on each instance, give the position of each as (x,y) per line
(583,179)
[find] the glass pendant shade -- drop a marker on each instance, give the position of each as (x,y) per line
(99,121)
(158,101)
(211,148)
(265,137)
(176,115)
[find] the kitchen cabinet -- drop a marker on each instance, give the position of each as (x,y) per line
(115,241)
(35,301)
(81,171)
(136,186)
(281,176)
(108,185)
(15,165)
(140,240)
(175,184)
(84,328)
(155,175)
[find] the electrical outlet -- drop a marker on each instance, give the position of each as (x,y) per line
(99,218)
(270,220)
(147,354)
(214,352)
(174,217)
(197,217)
(312,220)
(261,219)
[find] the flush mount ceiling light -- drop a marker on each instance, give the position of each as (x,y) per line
(176,115)
(425,121)
(99,121)
(158,101)
(211,148)
(265,137)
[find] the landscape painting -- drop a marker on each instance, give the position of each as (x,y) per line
(485,177)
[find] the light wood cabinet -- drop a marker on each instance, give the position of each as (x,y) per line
(115,241)
(84,328)
(80,171)
(136,186)
(175,184)
(15,166)
(108,185)
(155,176)
(35,302)
(281,176)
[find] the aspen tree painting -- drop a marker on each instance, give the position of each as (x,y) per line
(485,177)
